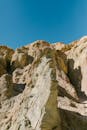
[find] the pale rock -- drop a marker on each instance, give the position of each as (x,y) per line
(20,59)
(59,45)
(46,87)
(77,60)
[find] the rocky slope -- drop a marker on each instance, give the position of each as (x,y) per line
(43,86)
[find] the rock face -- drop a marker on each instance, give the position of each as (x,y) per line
(43,86)
(5,58)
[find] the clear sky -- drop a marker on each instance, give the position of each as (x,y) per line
(24,21)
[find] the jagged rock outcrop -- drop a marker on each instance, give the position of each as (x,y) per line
(43,87)
(20,59)
(5,58)
(77,61)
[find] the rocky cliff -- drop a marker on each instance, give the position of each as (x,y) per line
(43,86)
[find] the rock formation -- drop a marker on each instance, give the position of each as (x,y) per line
(43,86)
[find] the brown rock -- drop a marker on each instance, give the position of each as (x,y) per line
(5,58)
(6,87)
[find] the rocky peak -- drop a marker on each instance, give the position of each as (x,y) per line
(43,86)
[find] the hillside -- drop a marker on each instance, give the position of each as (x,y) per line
(44,86)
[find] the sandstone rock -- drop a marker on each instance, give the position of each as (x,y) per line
(46,89)
(34,49)
(6,87)
(6,52)
(59,45)
(78,65)
(20,59)
(2,70)
(5,58)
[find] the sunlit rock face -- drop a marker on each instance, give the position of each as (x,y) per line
(43,86)
(77,59)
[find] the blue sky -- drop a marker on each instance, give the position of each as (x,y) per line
(24,21)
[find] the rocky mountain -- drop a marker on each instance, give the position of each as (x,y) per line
(44,86)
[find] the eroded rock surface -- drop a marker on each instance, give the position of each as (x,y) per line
(43,87)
